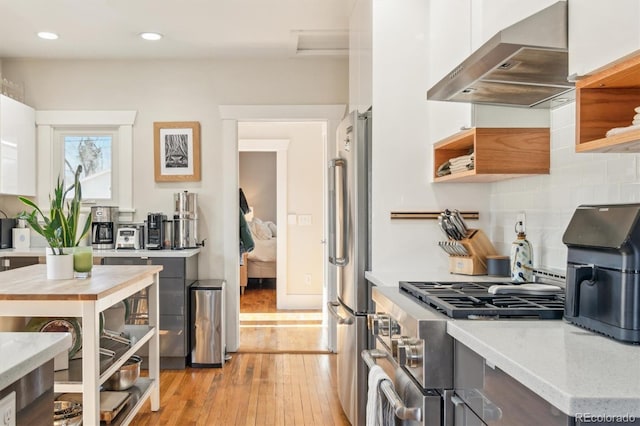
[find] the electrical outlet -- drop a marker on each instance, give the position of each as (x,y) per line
(8,410)
(522,218)
(307,279)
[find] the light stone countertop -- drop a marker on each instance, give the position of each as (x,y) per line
(575,370)
(23,352)
(40,251)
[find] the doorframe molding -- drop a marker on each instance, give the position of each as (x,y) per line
(230,115)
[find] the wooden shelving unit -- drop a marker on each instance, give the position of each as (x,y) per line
(500,153)
(604,100)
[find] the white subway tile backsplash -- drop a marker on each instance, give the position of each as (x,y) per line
(621,169)
(563,116)
(560,157)
(582,195)
(563,137)
(630,192)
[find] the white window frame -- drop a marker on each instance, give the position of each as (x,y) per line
(49,123)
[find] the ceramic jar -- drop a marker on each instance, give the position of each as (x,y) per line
(521,257)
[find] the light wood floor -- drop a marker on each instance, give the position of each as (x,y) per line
(279,377)
(265,329)
(251,389)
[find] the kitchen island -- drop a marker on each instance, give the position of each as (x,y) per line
(27,292)
(180,271)
(582,374)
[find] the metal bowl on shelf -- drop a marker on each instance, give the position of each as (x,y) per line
(126,376)
(67,413)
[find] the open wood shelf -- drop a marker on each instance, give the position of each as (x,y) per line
(499,153)
(139,392)
(605,100)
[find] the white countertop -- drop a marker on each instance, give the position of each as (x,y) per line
(575,370)
(40,251)
(23,352)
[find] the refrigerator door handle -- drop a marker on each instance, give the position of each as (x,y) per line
(338,212)
(341,320)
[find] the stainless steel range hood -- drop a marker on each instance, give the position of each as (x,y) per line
(524,65)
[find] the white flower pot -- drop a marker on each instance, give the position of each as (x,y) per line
(59,266)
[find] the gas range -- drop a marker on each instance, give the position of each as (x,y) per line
(472,300)
(410,329)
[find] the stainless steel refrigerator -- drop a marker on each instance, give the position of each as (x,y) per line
(349,250)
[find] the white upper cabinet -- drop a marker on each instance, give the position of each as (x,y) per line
(601,32)
(488,17)
(449,44)
(17,148)
(360,60)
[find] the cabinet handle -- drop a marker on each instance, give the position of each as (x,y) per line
(459,403)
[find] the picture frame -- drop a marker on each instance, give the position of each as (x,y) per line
(177,151)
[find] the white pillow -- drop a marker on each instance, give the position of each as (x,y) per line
(260,230)
(273,228)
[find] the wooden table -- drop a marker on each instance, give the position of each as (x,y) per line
(26,292)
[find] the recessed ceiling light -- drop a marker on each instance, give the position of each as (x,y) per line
(47,35)
(151,36)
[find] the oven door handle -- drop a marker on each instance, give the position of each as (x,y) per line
(401,410)
(341,320)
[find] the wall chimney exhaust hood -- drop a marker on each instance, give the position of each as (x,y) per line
(524,65)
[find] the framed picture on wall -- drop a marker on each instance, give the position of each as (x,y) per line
(177,151)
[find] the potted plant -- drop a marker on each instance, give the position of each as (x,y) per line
(60,228)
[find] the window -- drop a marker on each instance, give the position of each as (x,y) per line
(94,152)
(100,141)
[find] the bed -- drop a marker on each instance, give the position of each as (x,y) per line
(261,261)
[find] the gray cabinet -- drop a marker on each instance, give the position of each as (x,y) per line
(497,398)
(177,275)
(13,262)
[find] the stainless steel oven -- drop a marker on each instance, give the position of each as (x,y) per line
(414,349)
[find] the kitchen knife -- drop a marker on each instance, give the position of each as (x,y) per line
(460,222)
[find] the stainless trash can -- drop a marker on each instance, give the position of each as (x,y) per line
(207,323)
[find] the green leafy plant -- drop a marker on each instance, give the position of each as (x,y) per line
(60,228)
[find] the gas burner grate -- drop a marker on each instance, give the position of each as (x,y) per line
(444,286)
(502,306)
(471,300)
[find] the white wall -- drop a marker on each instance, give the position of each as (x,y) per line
(550,200)
(402,148)
(184,90)
(257,178)
(305,188)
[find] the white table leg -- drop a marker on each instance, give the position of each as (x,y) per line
(154,342)
(90,364)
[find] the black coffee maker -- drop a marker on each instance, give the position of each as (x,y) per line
(603,270)
(155,231)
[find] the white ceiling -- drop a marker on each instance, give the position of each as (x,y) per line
(191,28)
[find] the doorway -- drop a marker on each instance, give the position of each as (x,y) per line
(231,116)
(282,181)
